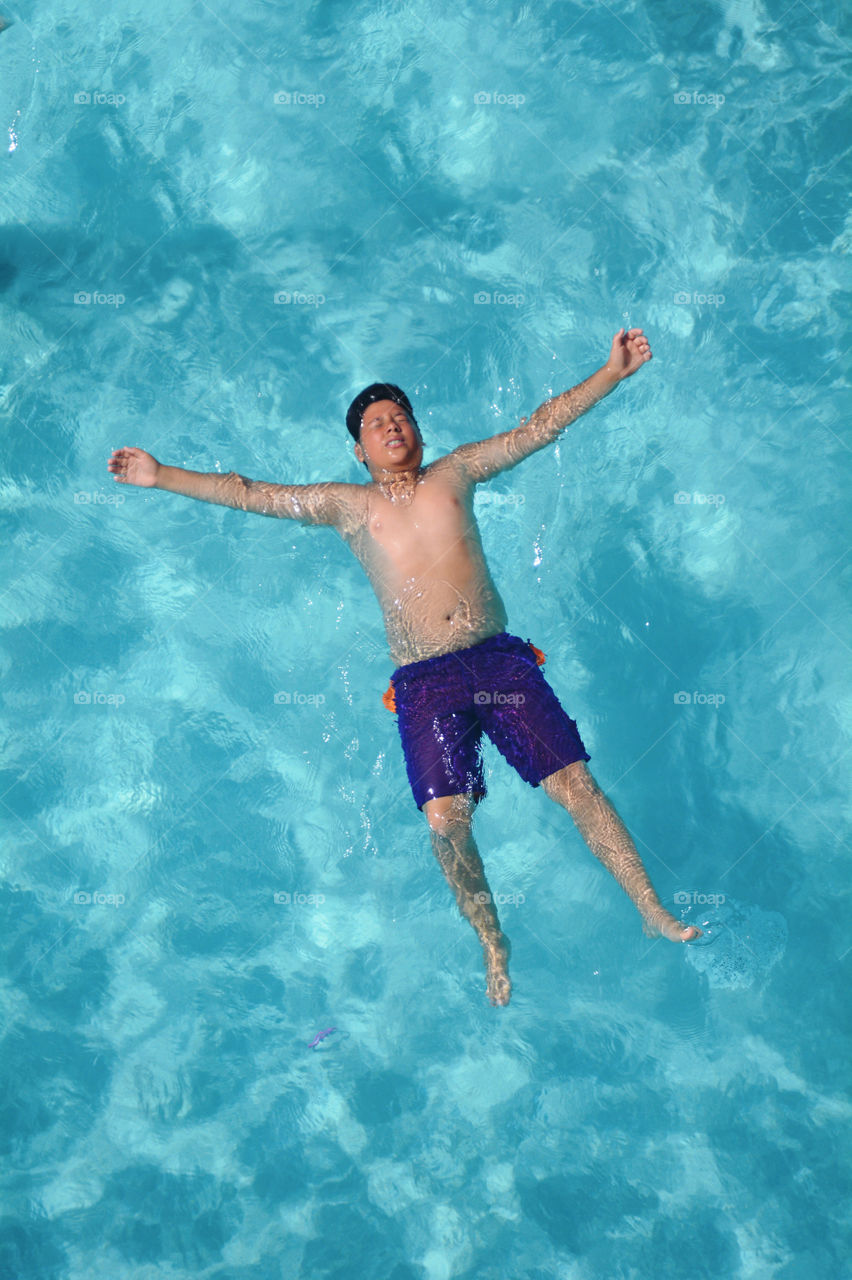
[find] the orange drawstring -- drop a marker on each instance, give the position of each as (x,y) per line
(389,698)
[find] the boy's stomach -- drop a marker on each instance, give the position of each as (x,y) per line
(436,617)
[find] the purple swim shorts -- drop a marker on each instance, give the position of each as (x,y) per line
(444,704)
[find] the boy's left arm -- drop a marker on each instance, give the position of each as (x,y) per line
(486,458)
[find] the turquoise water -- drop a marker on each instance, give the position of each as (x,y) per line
(210,853)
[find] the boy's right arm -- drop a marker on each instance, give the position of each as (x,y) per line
(333,503)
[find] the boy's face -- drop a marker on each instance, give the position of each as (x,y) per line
(389,439)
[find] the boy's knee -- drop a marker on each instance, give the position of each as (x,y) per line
(448,812)
(572,785)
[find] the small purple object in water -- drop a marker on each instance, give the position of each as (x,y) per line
(321,1035)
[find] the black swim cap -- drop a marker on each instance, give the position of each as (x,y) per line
(376,391)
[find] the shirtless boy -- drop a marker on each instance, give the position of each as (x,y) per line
(458,671)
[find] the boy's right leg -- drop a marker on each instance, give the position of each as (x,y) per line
(450,824)
(606,835)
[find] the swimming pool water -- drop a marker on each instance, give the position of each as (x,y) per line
(218,224)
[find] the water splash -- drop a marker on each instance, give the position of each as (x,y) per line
(740,944)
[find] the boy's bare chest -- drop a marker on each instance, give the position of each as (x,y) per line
(422,522)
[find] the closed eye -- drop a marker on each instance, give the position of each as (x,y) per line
(399,418)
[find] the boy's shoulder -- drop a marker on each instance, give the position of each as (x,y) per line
(453,470)
(448,466)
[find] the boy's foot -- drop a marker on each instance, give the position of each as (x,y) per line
(659,923)
(498,986)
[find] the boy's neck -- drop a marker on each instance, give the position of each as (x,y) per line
(398,486)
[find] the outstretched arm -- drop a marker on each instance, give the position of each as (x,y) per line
(332,503)
(485,458)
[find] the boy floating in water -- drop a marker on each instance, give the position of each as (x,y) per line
(458,671)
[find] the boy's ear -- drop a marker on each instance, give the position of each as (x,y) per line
(360,455)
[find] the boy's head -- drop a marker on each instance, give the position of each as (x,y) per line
(382,413)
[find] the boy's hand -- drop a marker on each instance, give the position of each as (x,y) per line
(630,350)
(134,466)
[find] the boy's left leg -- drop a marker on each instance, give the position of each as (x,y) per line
(450,819)
(575,789)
